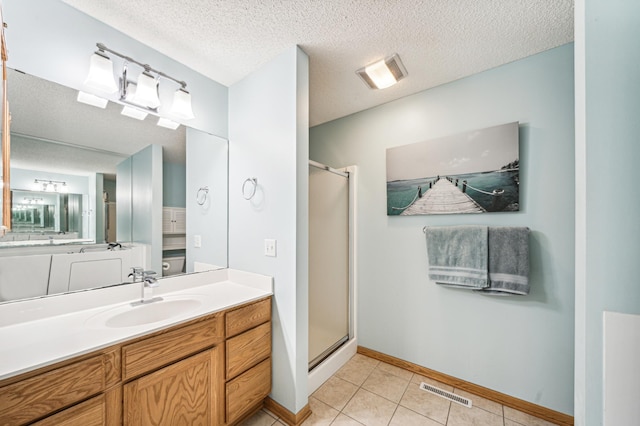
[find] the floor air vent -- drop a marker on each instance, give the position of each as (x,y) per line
(446,395)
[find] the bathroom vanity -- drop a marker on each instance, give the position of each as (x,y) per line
(203,356)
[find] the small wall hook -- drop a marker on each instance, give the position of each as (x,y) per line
(201,195)
(254,186)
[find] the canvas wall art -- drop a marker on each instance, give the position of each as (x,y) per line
(473,172)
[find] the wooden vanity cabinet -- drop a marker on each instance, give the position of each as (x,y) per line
(248,359)
(214,370)
(56,391)
(177,376)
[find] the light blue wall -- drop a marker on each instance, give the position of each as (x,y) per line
(521,346)
(268,140)
(612,62)
(174,180)
(207,166)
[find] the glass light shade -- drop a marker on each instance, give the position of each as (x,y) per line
(380,74)
(101,74)
(146,91)
(93,100)
(181,106)
(169,124)
(133,113)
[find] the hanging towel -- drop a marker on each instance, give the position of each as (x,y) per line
(508,261)
(458,255)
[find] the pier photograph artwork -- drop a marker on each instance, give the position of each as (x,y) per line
(472,172)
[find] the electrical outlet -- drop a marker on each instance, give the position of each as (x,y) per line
(197,241)
(270,248)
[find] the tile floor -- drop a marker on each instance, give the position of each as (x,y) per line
(371,393)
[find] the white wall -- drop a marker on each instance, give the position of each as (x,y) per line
(268,139)
(608,154)
(207,158)
(521,346)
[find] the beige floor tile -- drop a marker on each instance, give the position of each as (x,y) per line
(405,417)
(480,402)
(463,416)
(386,385)
(425,403)
(336,392)
(357,369)
(396,371)
(321,413)
(524,419)
(417,378)
(261,418)
(370,409)
(279,423)
(343,420)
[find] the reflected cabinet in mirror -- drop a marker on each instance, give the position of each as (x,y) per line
(95,193)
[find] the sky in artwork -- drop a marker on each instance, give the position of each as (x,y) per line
(472,152)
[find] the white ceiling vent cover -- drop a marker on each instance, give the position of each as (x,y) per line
(395,66)
(446,395)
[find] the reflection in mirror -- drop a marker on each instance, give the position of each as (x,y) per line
(88,187)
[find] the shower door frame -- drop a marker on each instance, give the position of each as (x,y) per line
(350,174)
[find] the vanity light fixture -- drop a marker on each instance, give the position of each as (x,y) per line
(146,93)
(143,93)
(47,185)
(101,72)
(383,73)
(93,100)
(181,106)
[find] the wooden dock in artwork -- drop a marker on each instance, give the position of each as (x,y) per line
(444,197)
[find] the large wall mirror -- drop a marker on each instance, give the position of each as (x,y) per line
(77,215)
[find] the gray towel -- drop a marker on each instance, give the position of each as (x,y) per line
(508,261)
(458,255)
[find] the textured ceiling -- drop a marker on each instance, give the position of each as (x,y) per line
(438,40)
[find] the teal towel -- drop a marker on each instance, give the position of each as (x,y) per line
(508,261)
(458,255)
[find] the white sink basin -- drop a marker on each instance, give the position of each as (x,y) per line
(133,316)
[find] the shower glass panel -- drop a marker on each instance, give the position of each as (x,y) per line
(328,262)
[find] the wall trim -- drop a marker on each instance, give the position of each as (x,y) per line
(539,411)
(285,415)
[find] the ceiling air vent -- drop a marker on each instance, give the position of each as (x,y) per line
(384,73)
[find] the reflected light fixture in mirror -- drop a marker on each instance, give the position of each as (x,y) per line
(169,124)
(46,185)
(134,113)
(93,100)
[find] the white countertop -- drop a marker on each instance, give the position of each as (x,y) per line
(39,332)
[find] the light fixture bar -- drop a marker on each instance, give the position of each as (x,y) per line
(147,67)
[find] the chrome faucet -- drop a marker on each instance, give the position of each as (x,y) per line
(137,272)
(149,282)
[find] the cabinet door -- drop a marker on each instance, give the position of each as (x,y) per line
(167,220)
(180,221)
(184,393)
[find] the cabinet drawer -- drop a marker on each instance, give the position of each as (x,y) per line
(247,349)
(88,413)
(157,351)
(32,398)
(247,317)
(247,390)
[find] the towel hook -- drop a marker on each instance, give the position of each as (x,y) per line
(254,182)
(201,195)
